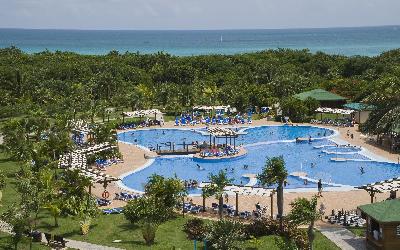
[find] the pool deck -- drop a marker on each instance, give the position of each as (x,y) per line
(333,198)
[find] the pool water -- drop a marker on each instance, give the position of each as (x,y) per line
(261,142)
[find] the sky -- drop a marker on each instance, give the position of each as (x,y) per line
(197,14)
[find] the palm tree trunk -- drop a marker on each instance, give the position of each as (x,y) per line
(279,203)
(55,220)
(310,234)
(204,203)
(220,205)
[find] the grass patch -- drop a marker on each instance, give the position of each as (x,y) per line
(358,231)
(107,228)
(6,243)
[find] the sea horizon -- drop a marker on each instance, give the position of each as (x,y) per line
(348,41)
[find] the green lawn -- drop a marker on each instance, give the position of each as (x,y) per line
(6,243)
(107,228)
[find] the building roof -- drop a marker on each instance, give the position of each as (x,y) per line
(320,95)
(385,211)
(221,132)
(382,186)
(359,106)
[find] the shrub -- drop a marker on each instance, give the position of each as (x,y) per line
(149,232)
(195,229)
(225,234)
(262,227)
(297,236)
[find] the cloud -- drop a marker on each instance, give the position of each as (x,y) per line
(196,14)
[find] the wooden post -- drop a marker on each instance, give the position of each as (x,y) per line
(237,204)
(204,203)
(272,204)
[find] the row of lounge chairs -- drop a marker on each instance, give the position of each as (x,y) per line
(143,124)
(101,163)
(117,210)
(189,120)
(190,208)
(228,151)
(103,202)
(230,211)
(123,196)
(78,139)
(334,122)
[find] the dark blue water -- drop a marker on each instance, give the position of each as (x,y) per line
(368,41)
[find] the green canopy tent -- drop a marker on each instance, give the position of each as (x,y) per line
(325,98)
(361,111)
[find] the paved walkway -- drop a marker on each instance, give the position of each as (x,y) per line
(343,238)
(87,246)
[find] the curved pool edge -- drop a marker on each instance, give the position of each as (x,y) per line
(333,137)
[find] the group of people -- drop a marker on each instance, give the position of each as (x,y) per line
(344,122)
(189,184)
(141,124)
(219,119)
(219,152)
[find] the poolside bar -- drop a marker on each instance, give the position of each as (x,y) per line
(226,133)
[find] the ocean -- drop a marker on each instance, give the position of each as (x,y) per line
(368,41)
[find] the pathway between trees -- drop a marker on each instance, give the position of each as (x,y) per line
(4,227)
(343,238)
(87,246)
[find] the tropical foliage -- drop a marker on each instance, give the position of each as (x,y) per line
(304,212)
(216,187)
(274,172)
(83,86)
(162,195)
(225,234)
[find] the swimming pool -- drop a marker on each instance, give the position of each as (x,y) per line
(261,142)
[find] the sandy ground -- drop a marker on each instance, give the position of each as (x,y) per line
(134,157)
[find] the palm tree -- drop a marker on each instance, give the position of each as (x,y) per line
(274,172)
(305,212)
(55,211)
(216,187)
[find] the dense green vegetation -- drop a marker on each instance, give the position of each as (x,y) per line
(68,83)
(41,93)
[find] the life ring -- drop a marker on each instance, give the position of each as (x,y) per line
(105,194)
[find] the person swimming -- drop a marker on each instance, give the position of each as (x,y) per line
(163,132)
(199,167)
(362,170)
(245,166)
(312,164)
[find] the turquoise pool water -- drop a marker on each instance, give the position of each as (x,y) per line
(261,142)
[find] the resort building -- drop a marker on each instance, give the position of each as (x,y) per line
(361,111)
(325,98)
(383,224)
